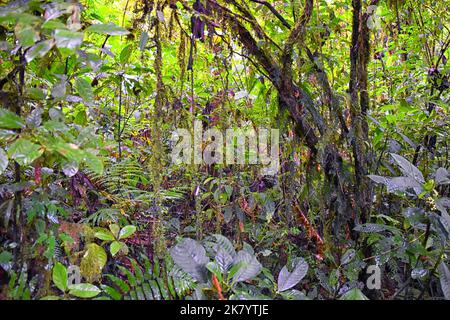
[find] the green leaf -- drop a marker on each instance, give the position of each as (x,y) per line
(84,290)
(126,232)
(68,39)
(93,162)
(24,151)
(125,54)
(93,262)
(60,276)
(115,247)
(26,35)
(3,161)
(5,257)
(353,294)
(215,269)
(70,151)
(104,234)
(84,90)
(124,287)
(114,229)
(113,293)
(110,29)
(38,50)
(137,271)
(9,120)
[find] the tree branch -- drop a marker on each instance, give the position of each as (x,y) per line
(275,12)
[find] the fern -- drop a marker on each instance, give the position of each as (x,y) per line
(148,282)
(123,184)
(105,215)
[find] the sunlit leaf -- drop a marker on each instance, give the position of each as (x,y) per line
(127,231)
(84,90)
(84,290)
(60,276)
(24,151)
(68,39)
(109,28)
(9,120)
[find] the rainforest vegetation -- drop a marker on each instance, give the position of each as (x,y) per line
(353,96)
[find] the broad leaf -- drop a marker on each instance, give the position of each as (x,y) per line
(84,290)
(26,35)
(68,39)
(110,29)
(9,120)
(126,232)
(348,256)
(24,151)
(114,228)
(223,259)
(60,276)
(226,244)
(84,90)
(445,280)
(408,168)
(442,177)
(70,169)
(249,266)
(38,50)
(191,257)
(287,280)
(104,234)
(93,262)
(115,247)
(353,294)
(398,183)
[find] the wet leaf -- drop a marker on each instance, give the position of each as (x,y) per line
(84,290)
(126,232)
(24,151)
(287,280)
(249,266)
(190,256)
(60,276)
(9,120)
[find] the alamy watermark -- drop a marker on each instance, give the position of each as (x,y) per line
(373,282)
(214,147)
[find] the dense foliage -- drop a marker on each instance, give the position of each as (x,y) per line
(93,207)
